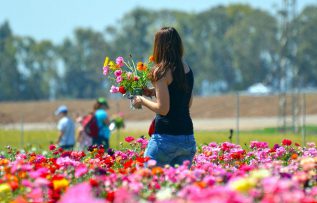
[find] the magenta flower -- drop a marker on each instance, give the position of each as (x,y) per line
(118,73)
(119,79)
(114,89)
(129,139)
(120,61)
(106,70)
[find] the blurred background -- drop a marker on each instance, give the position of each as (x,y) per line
(255,62)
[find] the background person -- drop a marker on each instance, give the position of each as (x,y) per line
(66,127)
(173,141)
(83,140)
(103,122)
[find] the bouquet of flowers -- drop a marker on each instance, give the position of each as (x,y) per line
(127,77)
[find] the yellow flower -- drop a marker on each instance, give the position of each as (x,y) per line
(106,61)
(60,184)
(5,192)
(260,174)
(242,185)
(112,65)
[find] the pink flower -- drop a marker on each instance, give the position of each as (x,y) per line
(80,171)
(129,139)
(151,163)
(129,75)
(118,73)
(120,61)
(119,79)
(105,70)
(80,193)
(114,89)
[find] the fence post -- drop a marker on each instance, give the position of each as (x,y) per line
(237,116)
(118,130)
(22,131)
(304,119)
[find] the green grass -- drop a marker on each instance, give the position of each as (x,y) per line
(42,139)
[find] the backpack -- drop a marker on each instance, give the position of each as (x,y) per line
(90,125)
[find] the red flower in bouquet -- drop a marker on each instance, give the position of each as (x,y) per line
(122,90)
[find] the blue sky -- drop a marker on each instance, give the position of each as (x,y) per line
(56,19)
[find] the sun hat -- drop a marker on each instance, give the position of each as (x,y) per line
(103,101)
(61,109)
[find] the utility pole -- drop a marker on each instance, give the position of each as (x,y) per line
(288,71)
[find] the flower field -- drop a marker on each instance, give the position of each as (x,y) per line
(221,172)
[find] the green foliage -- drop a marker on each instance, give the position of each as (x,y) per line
(42,139)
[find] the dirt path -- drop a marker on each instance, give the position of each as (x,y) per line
(246,123)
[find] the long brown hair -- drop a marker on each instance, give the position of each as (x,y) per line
(168,53)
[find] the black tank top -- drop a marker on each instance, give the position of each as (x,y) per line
(178,120)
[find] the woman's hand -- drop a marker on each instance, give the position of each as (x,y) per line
(149,92)
(137,101)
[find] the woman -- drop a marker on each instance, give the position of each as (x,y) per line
(103,122)
(173,141)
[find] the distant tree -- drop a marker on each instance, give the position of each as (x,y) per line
(133,35)
(38,63)
(10,78)
(306,59)
(252,43)
(82,58)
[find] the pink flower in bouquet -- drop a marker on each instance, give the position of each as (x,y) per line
(129,74)
(106,70)
(120,61)
(119,79)
(118,73)
(114,89)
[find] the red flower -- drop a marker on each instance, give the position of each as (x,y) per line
(129,139)
(110,196)
(122,90)
(52,147)
(93,182)
(286,142)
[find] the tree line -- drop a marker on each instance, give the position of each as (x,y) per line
(228,48)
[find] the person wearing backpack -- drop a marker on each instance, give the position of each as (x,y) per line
(66,127)
(83,138)
(103,122)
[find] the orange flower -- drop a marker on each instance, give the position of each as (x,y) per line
(151,58)
(4,162)
(294,156)
(157,170)
(141,66)
(200,184)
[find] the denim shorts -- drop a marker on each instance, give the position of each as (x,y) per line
(171,149)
